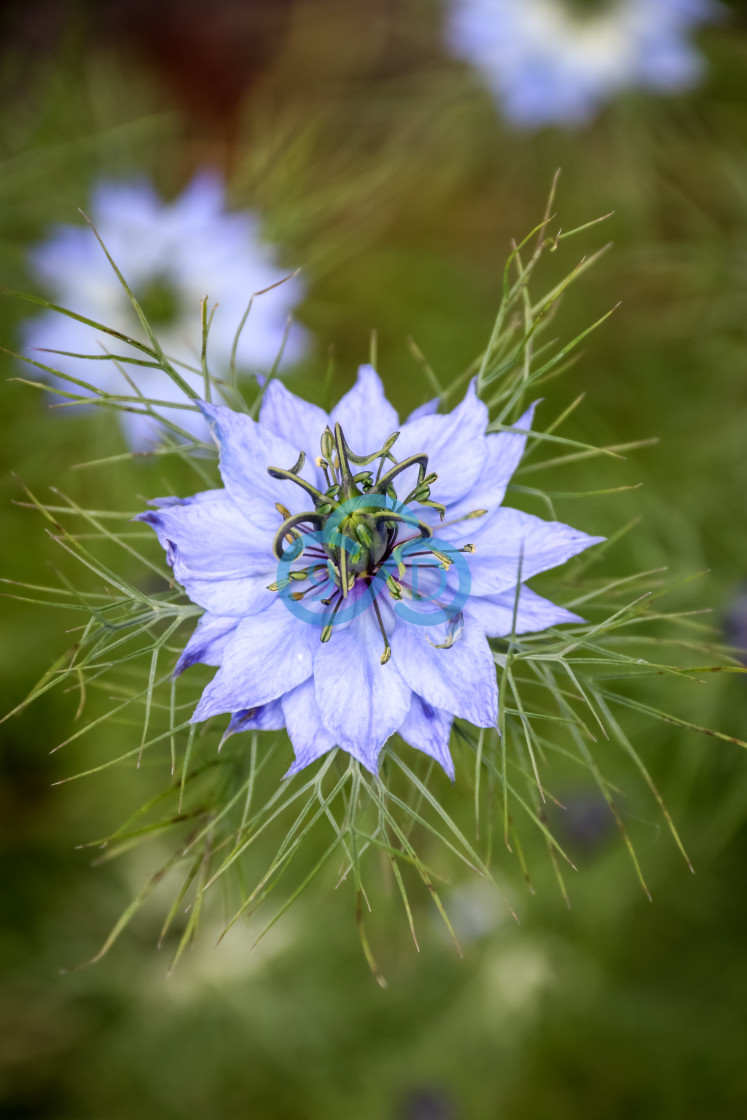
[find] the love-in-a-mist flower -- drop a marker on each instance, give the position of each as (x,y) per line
(556,62)
(172,255)
(353,568)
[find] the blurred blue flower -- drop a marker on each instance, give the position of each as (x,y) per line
(361,528)
(172,255)
(548,63)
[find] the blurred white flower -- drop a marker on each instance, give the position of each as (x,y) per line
(171,254)
(548,63)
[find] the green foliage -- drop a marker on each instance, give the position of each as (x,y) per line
(226,820)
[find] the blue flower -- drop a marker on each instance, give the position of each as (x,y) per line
(547,64)
(350,594)
(172,255)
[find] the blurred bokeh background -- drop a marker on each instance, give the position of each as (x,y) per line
(384,165)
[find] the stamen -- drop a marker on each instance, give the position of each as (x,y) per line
(279,586)
(446,561)
(326,633)
(297,596)
(387,648)
(394,588)
(454,629)
(324,466)
(370,548)
(467,517)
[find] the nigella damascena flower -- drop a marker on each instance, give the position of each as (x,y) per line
(172,254)
(352,570)
(548,63)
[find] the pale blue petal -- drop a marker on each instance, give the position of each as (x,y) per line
(199,249)
(309,736)
(428,730)
(513,545)
(134,201)
(545,67)
(460,680)
(208,535)
(496,613)
(68,249)
(207,643)
(292,418)
(364,414)
(267,717)
(201,202)
(426,409)
(247,449)
(221,560)
(503,454)
(455,445)
(361,701)
(269,654)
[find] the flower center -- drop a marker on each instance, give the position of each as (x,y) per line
(359,538)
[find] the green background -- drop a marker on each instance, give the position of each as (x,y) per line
(381,168)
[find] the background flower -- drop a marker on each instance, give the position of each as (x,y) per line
(172,255)
(549,64)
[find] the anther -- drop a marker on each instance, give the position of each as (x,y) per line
(467,517)
(446,561)
(395,589)
(387,648)
(326,633)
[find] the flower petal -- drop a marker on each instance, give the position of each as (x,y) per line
(460,680)
(455,444)
(361,701)
(292,418)
(503,455)
(513,545)
(426,409)
(267,717)
(309,736)
(247,449)
(269,654)
(428,730)
(209,534)
(223,562)
(207,643)
(364,414)
(495,613)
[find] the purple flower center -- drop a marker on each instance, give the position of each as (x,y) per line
(360,537)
